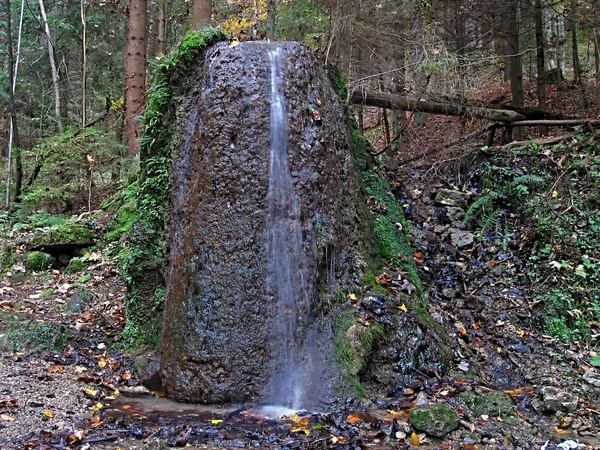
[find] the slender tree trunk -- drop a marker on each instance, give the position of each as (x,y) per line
(574,42)
(13,139)
(63,68)
(597,59)
(50,44)
(541,64)
(135,71)
(160,29)
(83,66)
(201,14)
(271,10)
(516,64)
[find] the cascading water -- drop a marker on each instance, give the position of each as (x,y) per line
(286,263)
(261,242)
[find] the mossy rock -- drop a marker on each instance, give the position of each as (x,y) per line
(493,403)
(8,258)
(76,265)
(38,261)
(63,237)
(435,420)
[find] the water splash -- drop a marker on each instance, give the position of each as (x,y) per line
(286,278)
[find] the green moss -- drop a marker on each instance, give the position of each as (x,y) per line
(390,229)
(76,265)
(37,336)
(370,281)
(8,258)
(65,234)
(493,403)
(354,343)
(121,224)
(436,420)
(38,261)
(142,260)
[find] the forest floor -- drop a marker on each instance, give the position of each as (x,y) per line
(67,383)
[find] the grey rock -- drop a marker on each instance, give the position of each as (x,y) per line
(592,378)
(493,403)
(79,300)
(435,420)
(449,197)
(461,238)
(555,399)
(455,214)
(148,370)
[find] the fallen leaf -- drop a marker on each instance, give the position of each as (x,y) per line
(414,439)
(56,369)
(216,421)
(7,418)
(48,414)
(102,363)
(353,418)
(97,407)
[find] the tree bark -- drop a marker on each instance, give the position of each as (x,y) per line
(516,64)
(541,64)
(83,65)
(13,139)
(201,14)
(54,71)
(271,10)
(390,101)
(574,47)
(135,71)
(160,29)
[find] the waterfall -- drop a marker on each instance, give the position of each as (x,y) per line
(286,278)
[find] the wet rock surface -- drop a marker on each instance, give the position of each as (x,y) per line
(218,334)
(435,420)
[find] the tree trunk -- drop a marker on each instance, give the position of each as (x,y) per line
(83,65)
(516,65)
(13,139)
(50,44)
(390,101)
(541,64)
(135,71)
(271,10)
(575,49)
(160,29)
(201,14)
(597,59)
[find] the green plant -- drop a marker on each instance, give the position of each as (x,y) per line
(38,261)
(36,336)
(142,259)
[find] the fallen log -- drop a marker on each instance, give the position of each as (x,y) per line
(552,123)
(398,102)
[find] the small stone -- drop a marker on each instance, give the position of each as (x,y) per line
(461,238)
(592,378)
(555,399)
(449,197)
(421,399)
(493,403)
(79,300)
(435,420)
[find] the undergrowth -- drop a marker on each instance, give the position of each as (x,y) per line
(547,202)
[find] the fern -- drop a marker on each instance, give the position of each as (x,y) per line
(488,221)
(482,203)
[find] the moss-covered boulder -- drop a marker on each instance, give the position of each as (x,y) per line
(63,239)
(38,261)
(8,257)
(435,420)
(493,403)
(76,265)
